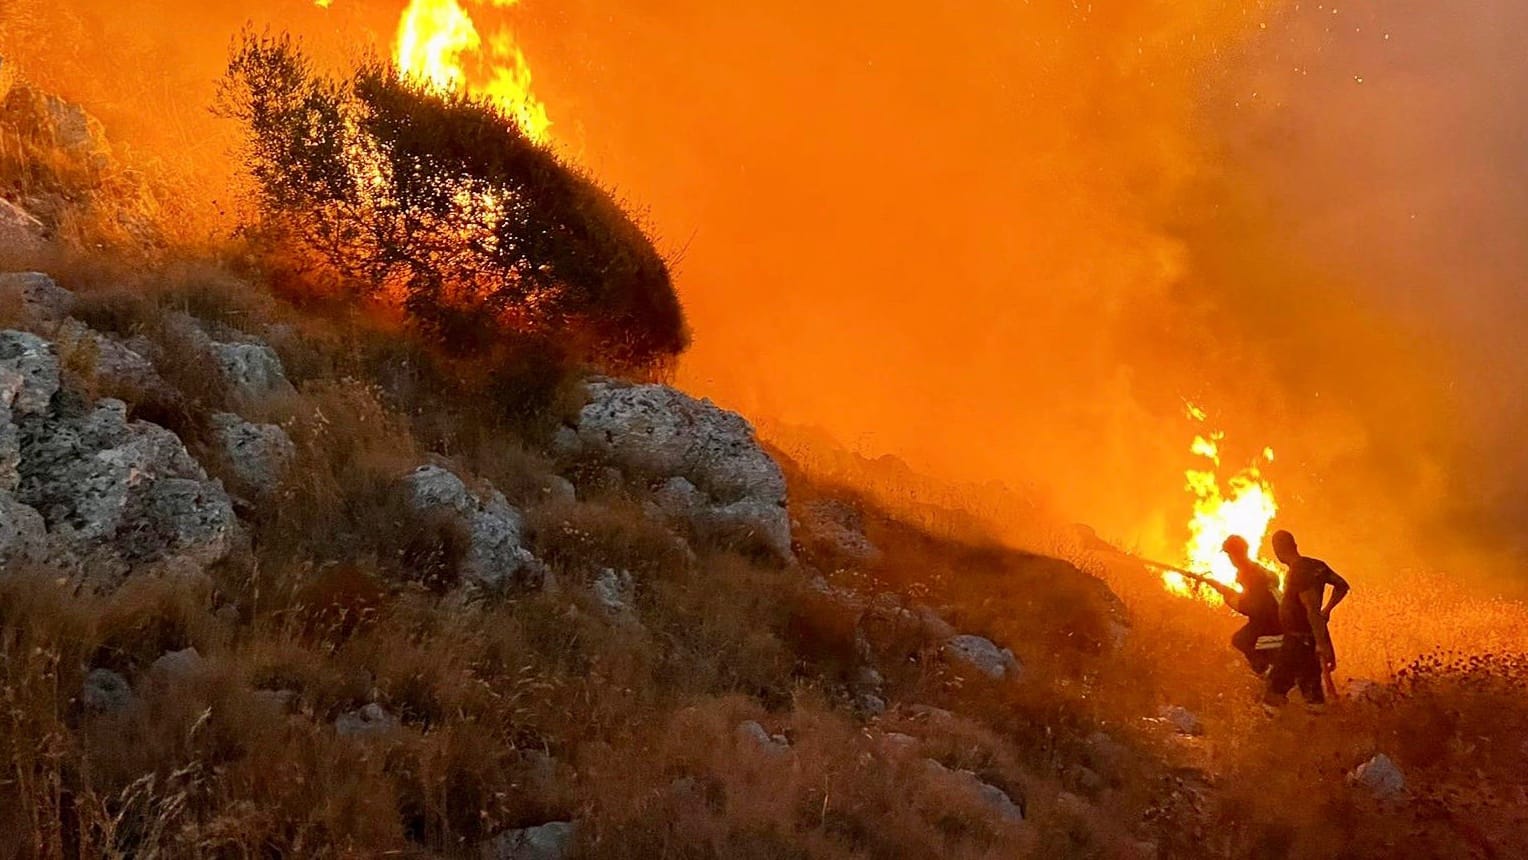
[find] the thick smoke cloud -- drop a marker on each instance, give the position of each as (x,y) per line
(1008,241)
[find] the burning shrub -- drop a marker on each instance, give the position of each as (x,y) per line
(439,202)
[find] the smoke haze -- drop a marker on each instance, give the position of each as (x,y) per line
(1010,241)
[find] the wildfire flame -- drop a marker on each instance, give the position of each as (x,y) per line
(1242,504)
(438,44)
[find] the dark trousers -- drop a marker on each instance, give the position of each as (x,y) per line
(1245,641)
(1297,665)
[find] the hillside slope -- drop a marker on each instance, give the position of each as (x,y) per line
(283,580)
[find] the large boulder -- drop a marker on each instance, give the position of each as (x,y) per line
(50,122)
(251,370)
(984,656)
(496,554)
(257,455)
(718,475)
(117,494)
(39,297)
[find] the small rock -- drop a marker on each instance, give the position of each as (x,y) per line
(369,721)
(753,734)
(279,700)
(106,692)
(1146,850)
(1182,720)
(178,665)
(1380,776)
(983,655)
(548,842)
(868,678)
(872,705)
(614,591)
(838,528)
(560,490)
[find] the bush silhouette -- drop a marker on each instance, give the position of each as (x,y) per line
(438,202)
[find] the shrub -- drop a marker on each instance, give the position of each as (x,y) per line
(439,203)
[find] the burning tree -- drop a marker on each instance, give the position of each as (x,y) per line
(440,202)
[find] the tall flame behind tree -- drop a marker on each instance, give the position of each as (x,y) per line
(1242,505)
(438,203)
(439,45)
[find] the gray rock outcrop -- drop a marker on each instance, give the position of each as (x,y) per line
(552,841)
(984,656)
(717,474)
(251,370)
(40,298)
(496,555)
(1379,775)
(257,455)
(118,493)
(990,796)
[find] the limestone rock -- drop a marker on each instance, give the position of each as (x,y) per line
(40,297)
(106,692)
(117,494)
(1182,720)
(838,528)
(258,455)
(751,734)
(251,370)
(110,361)
(176,666)
(23,533)
(615,592)
(735,491)
(550,841)
(993,798)
(370,721)
(1380,776)
(29,374)
(983,655)
(496,555)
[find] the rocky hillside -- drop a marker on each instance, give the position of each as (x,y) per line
(283,579)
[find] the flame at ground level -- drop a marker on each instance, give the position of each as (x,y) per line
(1241,505)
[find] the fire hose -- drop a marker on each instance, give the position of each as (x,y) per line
(1326,673)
